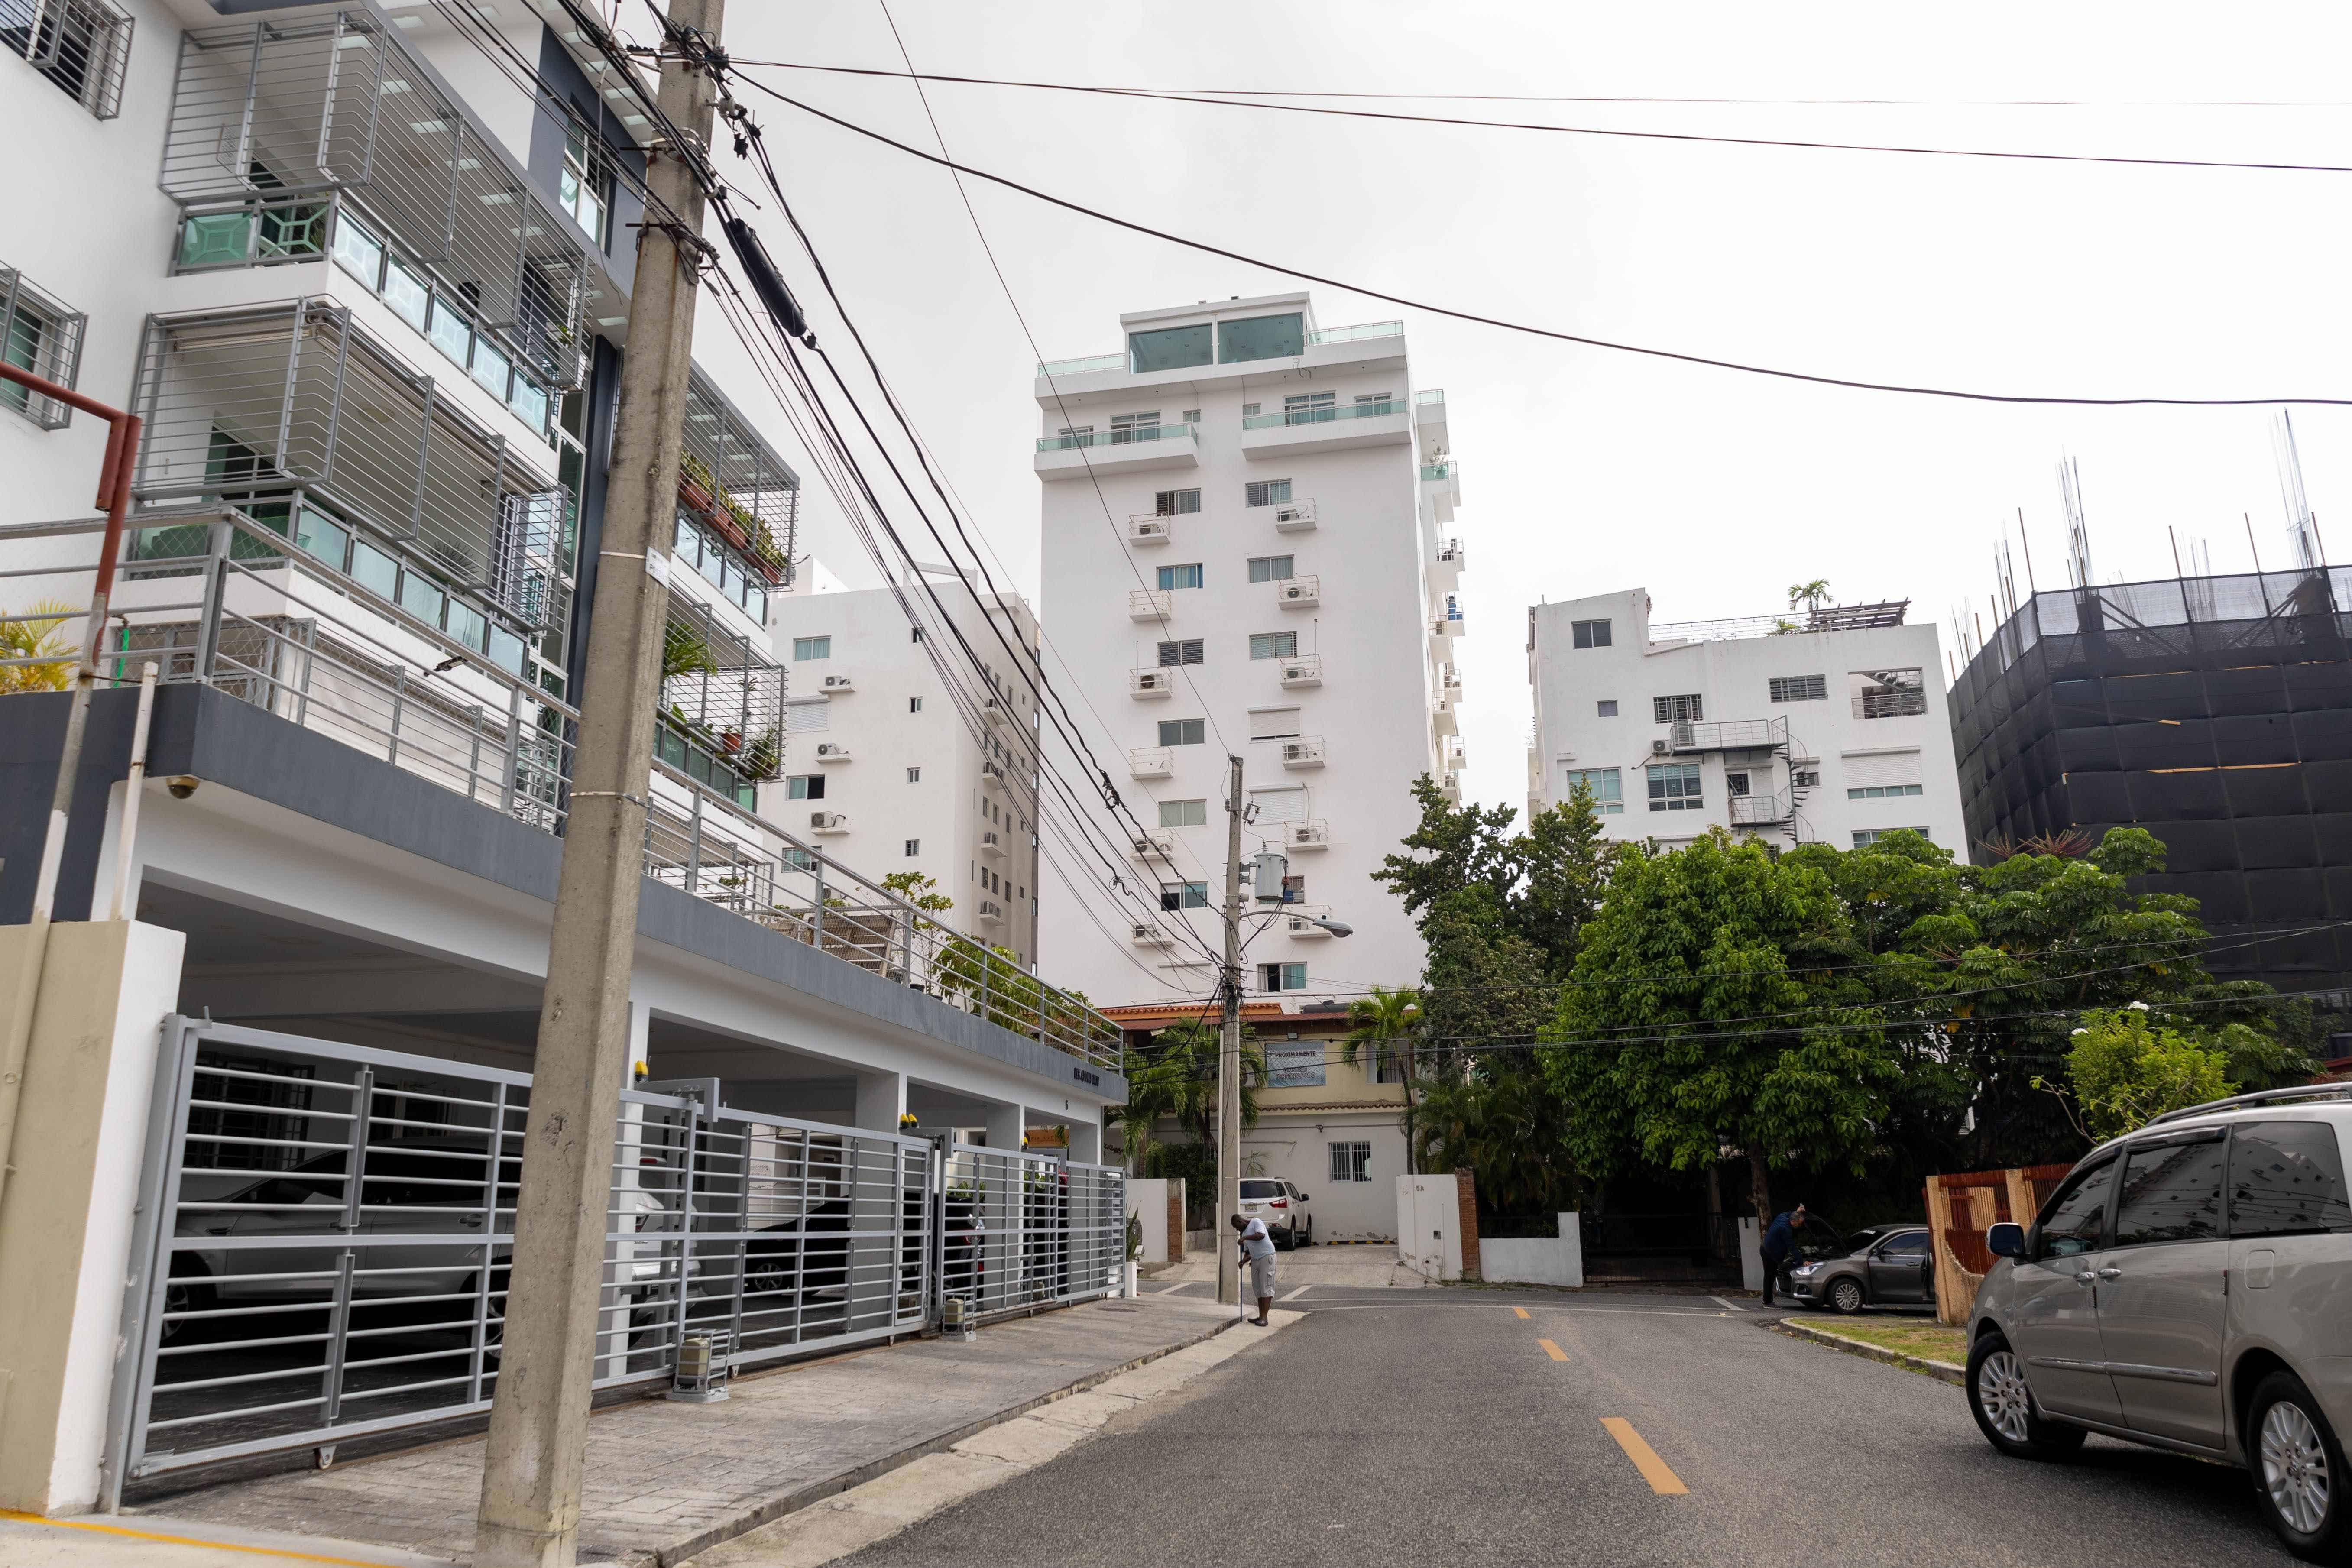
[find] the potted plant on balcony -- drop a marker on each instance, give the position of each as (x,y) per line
(763,759)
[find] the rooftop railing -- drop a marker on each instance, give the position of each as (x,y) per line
(1088,365)
(240,607)
(1356,333)
(1094,364)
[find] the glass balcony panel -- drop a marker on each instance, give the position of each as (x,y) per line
(216,239)
(359,253)
(405,292)
(451,333)
(491,369)
(422,597)
(467,624)
(376,572)
(322,536)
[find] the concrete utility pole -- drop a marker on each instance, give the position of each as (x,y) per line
(530,1514)
(1229,1057)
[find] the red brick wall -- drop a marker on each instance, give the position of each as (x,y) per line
(1176,1221)
(1465,1195)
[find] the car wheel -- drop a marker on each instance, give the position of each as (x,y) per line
(2004,1405)
(185,1290)
(1845,1295)
(2298,1467)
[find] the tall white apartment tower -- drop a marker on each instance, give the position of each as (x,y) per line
(1243,555)
(1824,725)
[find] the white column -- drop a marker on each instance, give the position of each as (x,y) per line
(1086,1142)
(612,1313)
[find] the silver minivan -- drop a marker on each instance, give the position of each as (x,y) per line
(2189,1286)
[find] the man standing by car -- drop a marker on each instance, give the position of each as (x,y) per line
(1780,1246)
(1257,1251)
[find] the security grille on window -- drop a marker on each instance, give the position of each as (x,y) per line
(1267,492)
(1269,568)
(40,335)
(1176,503)
(1182,732)
(1680,709)
(1274,645)
(1606,784)
(1674,786)
(1589,634)
(1735,783)
(81,46)
(1887,693)
(1800,688)
(1282,977)
(1187,651)
(1352,1162)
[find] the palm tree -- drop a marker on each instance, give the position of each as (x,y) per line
(1388,1024)
(1177,1077)
(1810,594)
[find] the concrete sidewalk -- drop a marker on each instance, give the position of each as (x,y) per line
(666,1481)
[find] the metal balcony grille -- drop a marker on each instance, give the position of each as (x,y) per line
(721,693)
(273,124)
(39,334)
(736,482)
(82,46)
(281,407)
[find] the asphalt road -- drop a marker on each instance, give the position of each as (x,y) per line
(1435,1426)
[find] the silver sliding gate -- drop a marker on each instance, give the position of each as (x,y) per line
(324,1236)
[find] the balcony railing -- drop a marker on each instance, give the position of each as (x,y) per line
(1356,333)
(1429,394)
(1728,735)
(322,649)
(1089,364)
(301,419)
(1438,473)
(1150,604)
(1323,415)
(1150,761)
(1124,436)
(1899,702)
(1760,810)
(738,490)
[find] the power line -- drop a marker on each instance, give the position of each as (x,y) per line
(1171,95)
(1476,319)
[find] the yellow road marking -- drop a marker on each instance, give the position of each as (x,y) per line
(1655,1470)
(183,1539)
(1552,1350)
(1522,1311)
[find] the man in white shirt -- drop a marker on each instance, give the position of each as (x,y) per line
(1257,1250)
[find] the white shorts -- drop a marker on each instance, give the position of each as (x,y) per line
(1262,1276)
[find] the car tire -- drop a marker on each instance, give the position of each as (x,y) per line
(1845,1296)
(2298,1470)
(185,1289)
(2003,1403)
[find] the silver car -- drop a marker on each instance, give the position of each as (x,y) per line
(2189,1286)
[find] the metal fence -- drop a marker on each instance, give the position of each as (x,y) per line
(326,1234)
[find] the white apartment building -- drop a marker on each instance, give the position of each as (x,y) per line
(1242,554)
(1820,726)
(894,770)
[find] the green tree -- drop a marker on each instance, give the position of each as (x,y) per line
(1500,1118)
(1810,595)
(1387,1029)
(1176,1077)
(919,890)
(1539,886)
(2123,1071)
(1705,1010)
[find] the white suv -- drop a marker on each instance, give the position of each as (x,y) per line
(2185,1287)
(1283,1208)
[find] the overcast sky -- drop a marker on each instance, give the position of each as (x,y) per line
(1587,470)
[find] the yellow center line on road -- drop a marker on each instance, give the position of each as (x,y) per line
(183,1540)
(1552,1350)
(1522,1311)
(1655,1470)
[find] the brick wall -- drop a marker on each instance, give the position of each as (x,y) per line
(1176,1220)
(1465,1195)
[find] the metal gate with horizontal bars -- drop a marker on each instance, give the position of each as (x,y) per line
(324,1234)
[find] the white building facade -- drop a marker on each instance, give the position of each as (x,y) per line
(894,770)
(1822,726)
(1244,554)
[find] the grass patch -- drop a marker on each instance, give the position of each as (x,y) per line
(1932,1341)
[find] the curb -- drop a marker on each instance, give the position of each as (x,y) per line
(1941,1371)
(776,1508)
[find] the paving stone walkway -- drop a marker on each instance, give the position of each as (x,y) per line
(665,1480)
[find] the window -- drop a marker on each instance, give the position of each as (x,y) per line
(1182,732)
(1269,568)
(1191,417)
(1887,693)
(1805,778)
(1274,645)
(1864,837)
(584,189)
(1183,813)
(914,704)
(914,847)
(1674,786)
(1184,896)
(1680,709)
(1273,723)
(39,335)
(1127,428)
(914,775)
(1170,348)
(1352,1162)
(1176,503)
(1261,337)
(1286,803)
(1800,688)
(1185,577)
(2286,1178)
(1282,977)
(812,647)
(1372,405)
(1294,1064)
(1608,789)
(2172,1192)
(2076,1220)
(1293,889)
(79,45)
(1735,783)
(1606,708)
(805,786)
(1909,1246)
(1882,792)
(1589,634)
(1267,492)
(1310,409)
(1250,410)
(1187,651)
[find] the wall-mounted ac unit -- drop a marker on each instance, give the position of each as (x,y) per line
(832,752)
(828,822)
(1299,593)
(839,683)
(1147,935)
(1657,748)
(1309,836)
(1154,846)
